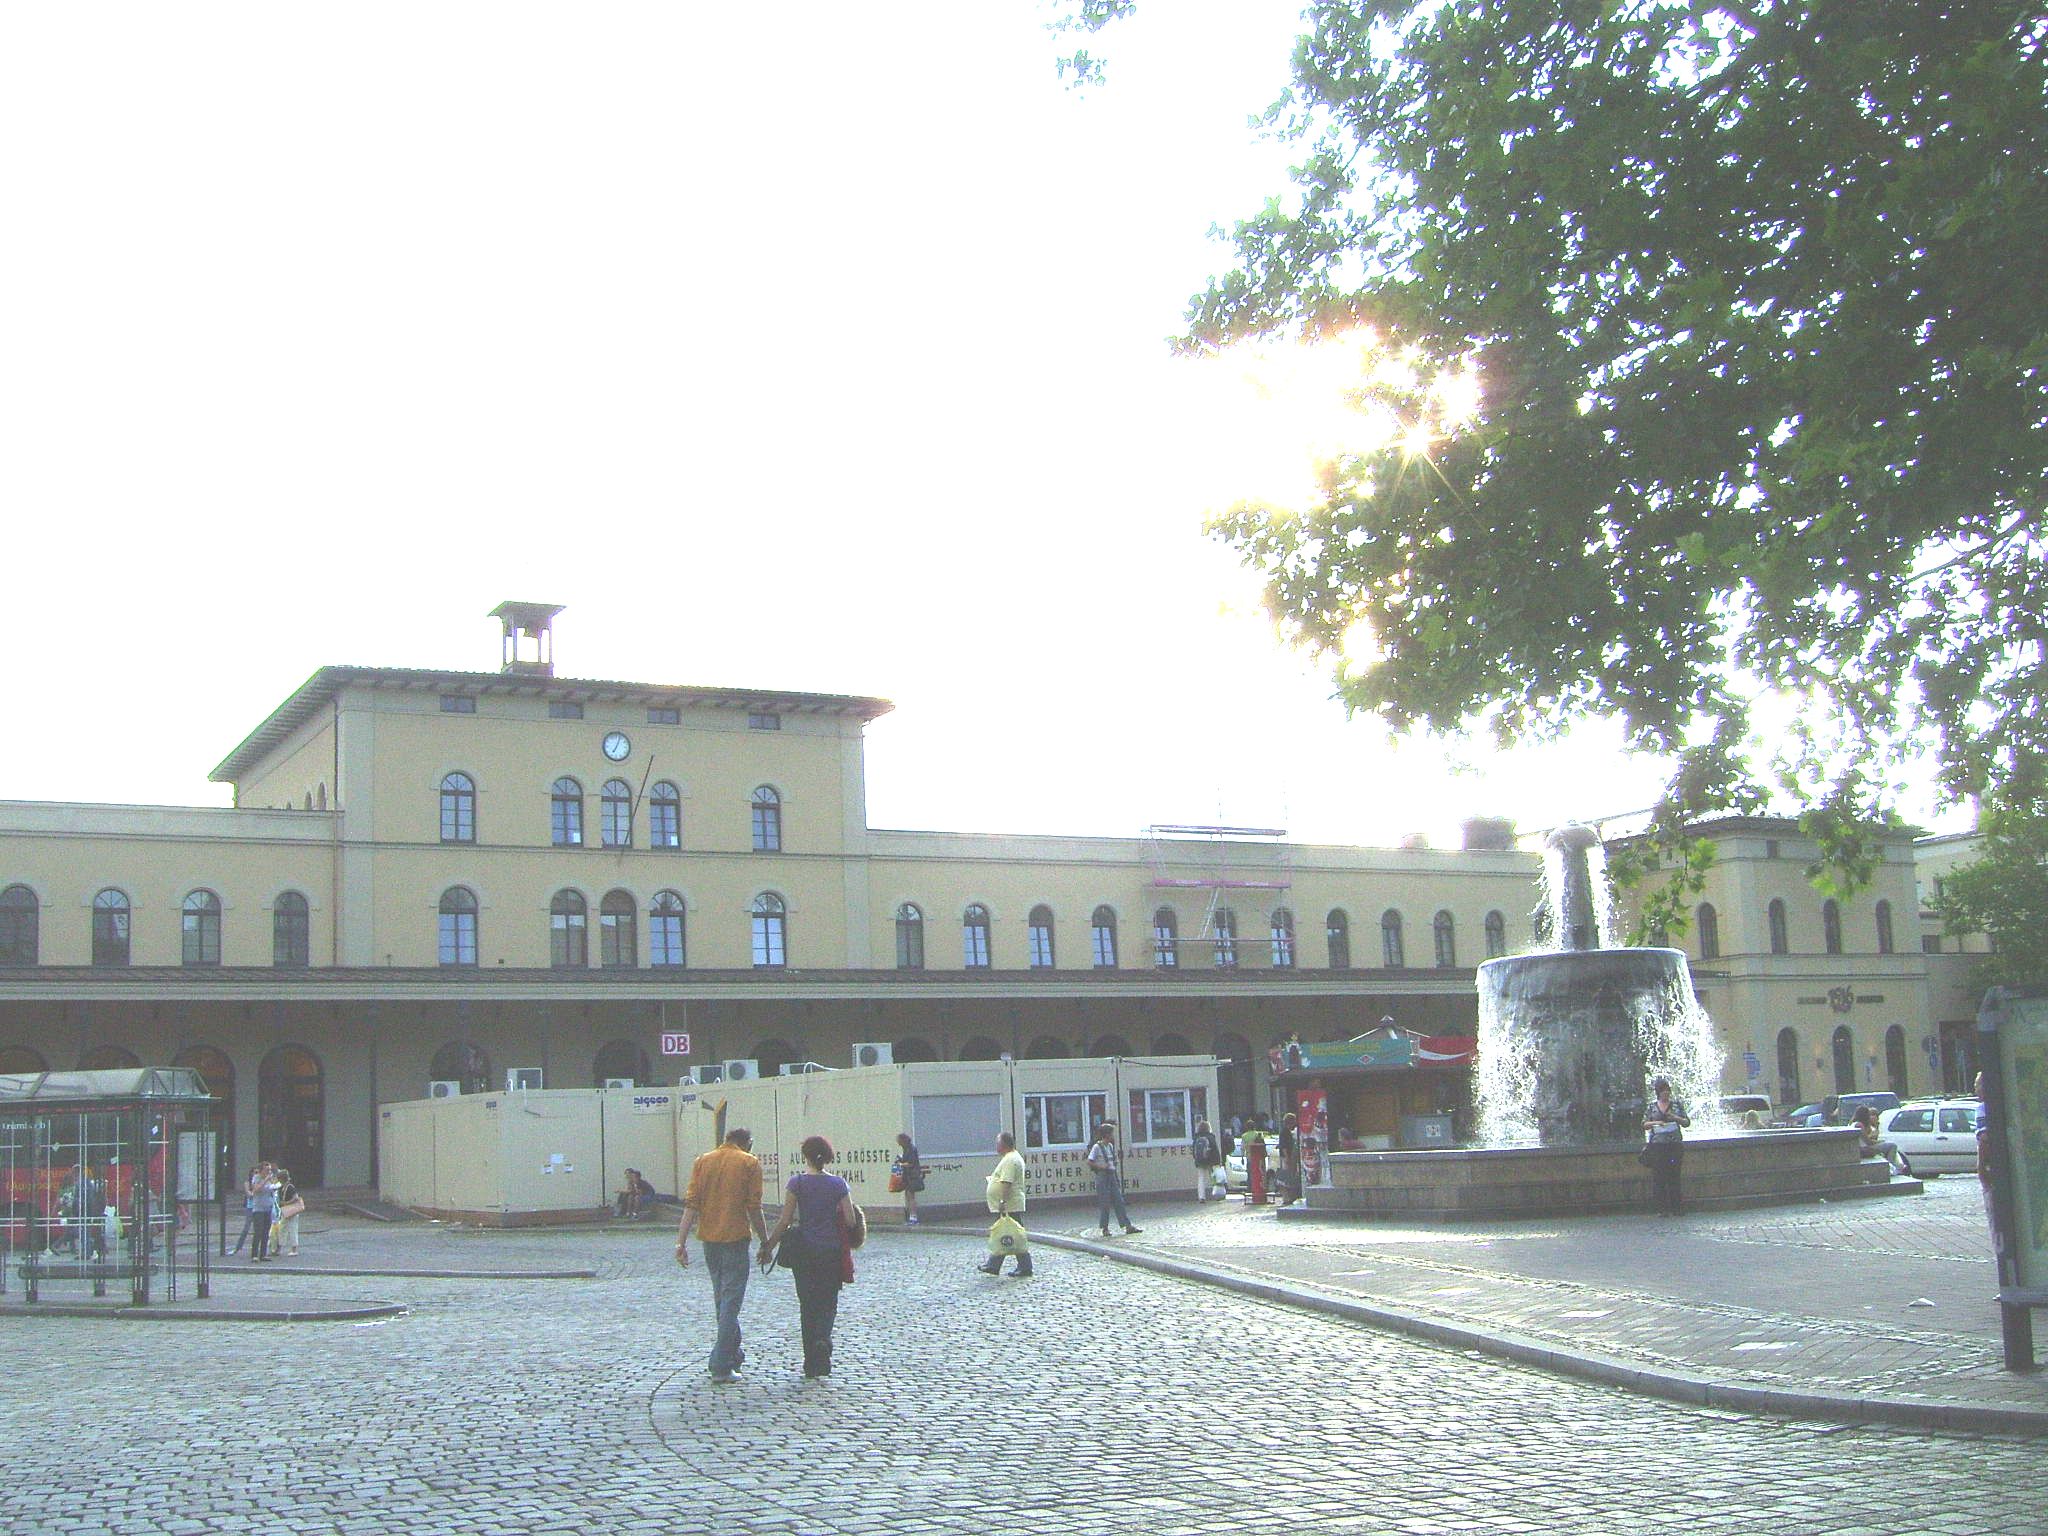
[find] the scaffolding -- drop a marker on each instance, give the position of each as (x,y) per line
(1216,861)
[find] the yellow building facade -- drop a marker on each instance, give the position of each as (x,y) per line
(440,877)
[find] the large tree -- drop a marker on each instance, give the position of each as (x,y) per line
(1756,296)
(2003,894)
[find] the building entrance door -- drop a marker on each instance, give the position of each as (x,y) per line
(291,1119)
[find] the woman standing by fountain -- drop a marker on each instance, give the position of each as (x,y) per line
(1664,1123)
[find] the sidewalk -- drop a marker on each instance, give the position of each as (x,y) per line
(1872,1310)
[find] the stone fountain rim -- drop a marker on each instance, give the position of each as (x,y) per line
(1785,1136)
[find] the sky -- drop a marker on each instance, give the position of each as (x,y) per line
(817,347)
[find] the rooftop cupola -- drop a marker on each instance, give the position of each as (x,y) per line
(529,638)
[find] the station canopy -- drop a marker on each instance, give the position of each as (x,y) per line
(167,1085)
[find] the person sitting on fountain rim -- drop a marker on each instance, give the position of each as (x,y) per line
(1873,1145)
(1664,1149)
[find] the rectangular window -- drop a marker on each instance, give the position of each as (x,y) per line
(664,717)
(1063,1119)
(955,1124)
(768,946)
(758,721)
(767,828)
(664,824)
(1041,947)
(291,937)
(974,946)
(909,944)
(457,704)
(1105,947)
(458,938)
(1930,943)
(1166,1115)
(1226,939)
(564,709)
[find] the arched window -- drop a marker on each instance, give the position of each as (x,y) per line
(974,937)
(626,1059)
(1110,1045)
(1337,929)
(981,1048)
(1844,1051)
(773,1055)
(291,931)
(665,929)
(618,934)
(664,816)
(1831,926)
(565,813)
(1391,952)
(1781,943)
(913,1049)
(1045,1048)
(1282,931)
(1038,934)
(1895,1059)
(1788,1067)
(20,924)
(108,1058)
(110,915)
(460,1061)
(771,931)
(19,1060)
(200,924)
(458,927)
(767,820)
(1885,938)
(458,808)
(1708,921)
(1226,939)
(909,938)
(615,814)
(1172,1045)
(568,931)
(1496,935)
(1165,939)
(1102,938)
(1446,941)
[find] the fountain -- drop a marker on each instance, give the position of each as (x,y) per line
(1569,1040)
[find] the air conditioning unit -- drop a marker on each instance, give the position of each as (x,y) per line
(519,1079)
(704,1075)
(874,1053)
(618,1085)
(744,1071)
(799,1068)
(444,1088)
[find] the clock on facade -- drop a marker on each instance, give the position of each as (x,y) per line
(616,746)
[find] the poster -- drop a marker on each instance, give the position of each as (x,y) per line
(1312,1122)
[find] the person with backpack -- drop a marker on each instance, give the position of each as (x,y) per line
(1208,1154)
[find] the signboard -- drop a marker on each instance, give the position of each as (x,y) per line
(652,1103)
(675,1045)
(2018,1101)
(196,1154)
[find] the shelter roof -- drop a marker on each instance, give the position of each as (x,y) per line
(159,1084)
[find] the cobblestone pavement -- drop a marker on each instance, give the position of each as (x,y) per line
(1892,1296)
(1092,1399)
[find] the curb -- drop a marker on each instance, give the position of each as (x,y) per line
(416,1274)
(338,1312)
(1650,1381)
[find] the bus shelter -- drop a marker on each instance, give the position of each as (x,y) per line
(107,1178)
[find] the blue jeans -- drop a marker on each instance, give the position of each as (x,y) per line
(728,1264)
(1109,1196)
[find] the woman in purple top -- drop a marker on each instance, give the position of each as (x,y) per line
(821,1208)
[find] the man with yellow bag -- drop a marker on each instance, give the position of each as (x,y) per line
(1006,1200)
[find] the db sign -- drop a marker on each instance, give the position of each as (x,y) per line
(675,1045)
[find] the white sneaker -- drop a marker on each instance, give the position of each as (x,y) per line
(910,1221)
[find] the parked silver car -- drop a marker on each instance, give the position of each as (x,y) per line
(1936,1135)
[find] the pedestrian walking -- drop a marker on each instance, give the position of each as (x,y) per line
(1208,1154)
(1664,1147)
(1006,1204)
(814,1239)
(1109,1182)
(908,1175)
(722,1202)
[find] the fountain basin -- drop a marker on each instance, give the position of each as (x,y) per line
(1721,1173)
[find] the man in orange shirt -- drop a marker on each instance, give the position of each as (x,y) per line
(723,1201)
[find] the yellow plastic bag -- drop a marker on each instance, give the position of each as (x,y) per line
(1008,1236)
